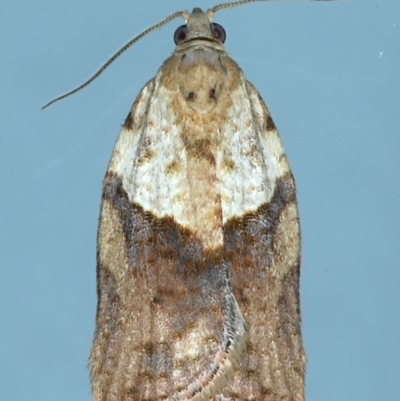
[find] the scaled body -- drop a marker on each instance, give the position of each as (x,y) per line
(198,242)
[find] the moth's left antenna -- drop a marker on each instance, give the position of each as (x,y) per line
(115,56)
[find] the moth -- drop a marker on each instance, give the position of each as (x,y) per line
(198,255)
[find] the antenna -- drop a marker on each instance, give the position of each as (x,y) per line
(182,14)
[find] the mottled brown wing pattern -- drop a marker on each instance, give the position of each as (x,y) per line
(198,242)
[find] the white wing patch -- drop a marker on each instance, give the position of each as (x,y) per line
(249,159)
(254,155)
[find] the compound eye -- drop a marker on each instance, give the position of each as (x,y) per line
(180,34)
(219,32)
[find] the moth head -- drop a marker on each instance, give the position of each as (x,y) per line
(199,26)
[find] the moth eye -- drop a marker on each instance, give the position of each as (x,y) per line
(180,34)
(219,32)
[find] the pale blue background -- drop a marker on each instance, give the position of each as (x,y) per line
(330,74)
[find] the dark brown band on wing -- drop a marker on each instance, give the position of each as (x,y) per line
(263,250)
(256,229)
(170,278)
(148,237)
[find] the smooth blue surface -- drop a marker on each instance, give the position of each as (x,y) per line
(330,75)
